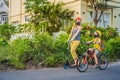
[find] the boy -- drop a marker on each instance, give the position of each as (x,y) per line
(97,46)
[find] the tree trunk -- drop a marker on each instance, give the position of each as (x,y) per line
(95,16)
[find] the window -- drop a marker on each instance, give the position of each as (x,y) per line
(90,14)
(27,18)
(4,18)
(118,25)
(104,21)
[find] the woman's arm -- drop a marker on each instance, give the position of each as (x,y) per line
(79,29)
(70,34)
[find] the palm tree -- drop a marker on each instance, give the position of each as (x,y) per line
(51,14)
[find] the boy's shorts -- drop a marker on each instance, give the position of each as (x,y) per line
(96,51)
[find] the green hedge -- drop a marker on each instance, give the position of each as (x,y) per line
(112,48)
(42,48)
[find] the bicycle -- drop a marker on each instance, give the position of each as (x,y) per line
(83,61)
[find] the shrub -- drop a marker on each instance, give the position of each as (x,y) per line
(8,54)
(108,33)
(50,61)
(112,48)
(39,48)
(3,42)
(60,44)
(55,60)
(21,51)
(43,43)
(51,52)
(6,30)
(17,48)
(59,49)
(3,53)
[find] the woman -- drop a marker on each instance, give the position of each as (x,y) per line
(74,38)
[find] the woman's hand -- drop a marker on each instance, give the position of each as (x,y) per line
(71,39)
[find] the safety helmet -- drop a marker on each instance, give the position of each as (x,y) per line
(98,32)
(77,18)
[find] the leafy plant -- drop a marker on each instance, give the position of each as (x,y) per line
(10,58)
(3,42)
(49,15)
(112,48)
(39,48)
(6,30)
(60,44)
(55,60)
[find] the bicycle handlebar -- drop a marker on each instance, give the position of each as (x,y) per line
(85,43)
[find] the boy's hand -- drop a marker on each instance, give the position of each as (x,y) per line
(86,43)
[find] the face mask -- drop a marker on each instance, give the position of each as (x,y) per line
(95,35)
(77,23)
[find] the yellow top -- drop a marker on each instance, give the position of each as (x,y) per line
(97,43)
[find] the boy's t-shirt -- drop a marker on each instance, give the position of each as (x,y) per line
(97,43)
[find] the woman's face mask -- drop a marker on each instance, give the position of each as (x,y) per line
(78,23)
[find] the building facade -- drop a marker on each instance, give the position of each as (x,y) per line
(111,16)
(16,11)
(3,11)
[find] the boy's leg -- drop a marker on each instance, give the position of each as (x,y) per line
(84,58)
(95,57)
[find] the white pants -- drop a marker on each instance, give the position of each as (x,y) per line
(96,51)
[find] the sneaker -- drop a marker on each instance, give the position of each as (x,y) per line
(73,65)
(95,66)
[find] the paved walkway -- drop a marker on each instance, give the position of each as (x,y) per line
(111,73)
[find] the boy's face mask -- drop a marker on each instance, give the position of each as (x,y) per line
(95,34)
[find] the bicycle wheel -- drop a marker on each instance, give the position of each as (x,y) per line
(102,62)
(81,66)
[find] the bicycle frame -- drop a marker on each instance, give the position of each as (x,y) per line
(89,58)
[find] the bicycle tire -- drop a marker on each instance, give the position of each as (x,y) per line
(80,66)
(102,62)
